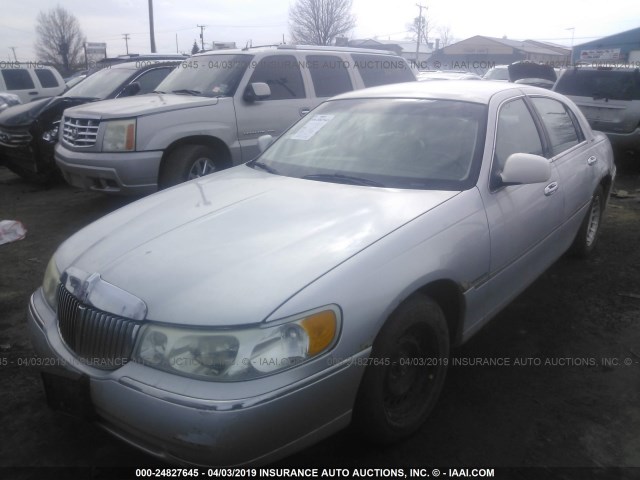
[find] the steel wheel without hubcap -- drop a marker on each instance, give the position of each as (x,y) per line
(405,372)
(587,236)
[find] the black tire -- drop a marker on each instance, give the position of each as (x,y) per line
(587,236)
(397,394)
(186,163)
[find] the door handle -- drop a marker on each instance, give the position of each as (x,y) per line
(551,188)
(304,111)
(592,159)
(33,93)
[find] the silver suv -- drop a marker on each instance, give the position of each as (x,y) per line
(208,114)
(609,98)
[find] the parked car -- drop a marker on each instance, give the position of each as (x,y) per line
(30,82)
(8,100)
(208,114)
(28,133)
(609,98)
(242,316)
(446,75)
(525,72)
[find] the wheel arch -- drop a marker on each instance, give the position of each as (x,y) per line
(221,149)
(449,297)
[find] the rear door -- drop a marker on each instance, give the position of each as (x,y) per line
(20,82)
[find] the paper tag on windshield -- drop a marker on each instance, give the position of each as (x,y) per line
(312,127)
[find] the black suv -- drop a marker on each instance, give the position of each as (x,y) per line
(29,132)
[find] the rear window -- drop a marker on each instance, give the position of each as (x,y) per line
(382,70)
(47,78)
(609,84)
(17,79)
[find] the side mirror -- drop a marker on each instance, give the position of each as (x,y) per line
(256,91)
(130,90)
(525,168)
(264,141)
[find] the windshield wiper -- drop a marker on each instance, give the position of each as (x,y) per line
(340,178)
(264,167)
(187,91)
(158,91)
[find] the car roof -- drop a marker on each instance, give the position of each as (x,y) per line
(293,48)
(461,90)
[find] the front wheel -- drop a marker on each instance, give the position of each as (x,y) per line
(401,385)
(186,163)
(587,236)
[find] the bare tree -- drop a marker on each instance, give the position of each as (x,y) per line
(60,39)
(319,22)
(446,36)
(423,27)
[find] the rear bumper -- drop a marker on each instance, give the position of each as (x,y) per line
(130,173)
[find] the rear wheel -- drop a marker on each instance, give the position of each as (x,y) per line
(186,163)
(408,366)
(587,236)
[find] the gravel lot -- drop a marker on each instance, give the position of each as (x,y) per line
(565,399)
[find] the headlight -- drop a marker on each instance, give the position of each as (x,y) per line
(119,136)
(51,135)
(50,284)
(240,354)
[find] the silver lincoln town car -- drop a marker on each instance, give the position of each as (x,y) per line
(242,316)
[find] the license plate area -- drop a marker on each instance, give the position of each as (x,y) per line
(71,396)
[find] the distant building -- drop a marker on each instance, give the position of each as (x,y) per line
(478,54)
(406,49)
(223,45)
(622,47)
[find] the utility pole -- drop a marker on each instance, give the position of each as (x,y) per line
(152,35)
(420,6)
(201,27)
(126,41)
(14,53)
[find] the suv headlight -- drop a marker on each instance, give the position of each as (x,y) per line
(227,355)
(119,136)
(50,284)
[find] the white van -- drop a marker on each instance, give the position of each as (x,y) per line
(30,81)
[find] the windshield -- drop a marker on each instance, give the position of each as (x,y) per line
(101,84)
(609,84)
(400,143)
(210,76)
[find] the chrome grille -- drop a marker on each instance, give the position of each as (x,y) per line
(14,138)
(98,338)
(80,132)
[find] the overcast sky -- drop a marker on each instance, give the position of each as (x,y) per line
(266,21)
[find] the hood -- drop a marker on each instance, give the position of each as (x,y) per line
(230,248)
(140,105)
(25,113)
(529,70)
(48,109)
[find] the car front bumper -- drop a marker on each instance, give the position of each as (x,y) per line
(127,173)
(176,427)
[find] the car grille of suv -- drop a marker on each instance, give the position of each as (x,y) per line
(98,338)
(14,138)
(80,132)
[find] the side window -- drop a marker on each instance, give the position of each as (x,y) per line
(46,77)
(150,79)
(381,69)
(329,74)
(17,79)
(559,125)
(516,133)
(282,74)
